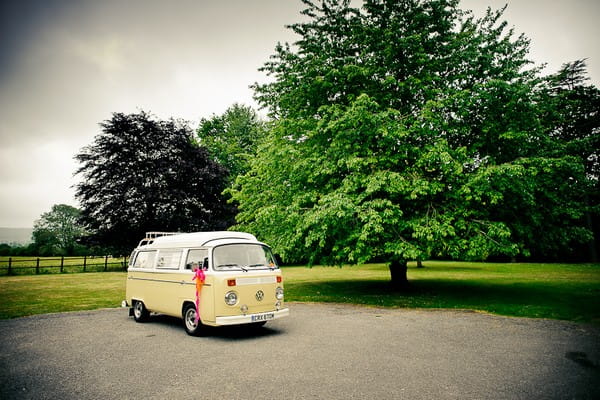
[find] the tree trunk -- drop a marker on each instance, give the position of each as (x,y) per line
(398,269)
(420,263)
(592,254)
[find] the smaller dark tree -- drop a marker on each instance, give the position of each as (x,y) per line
(573,122)
(574,119)
(142,174)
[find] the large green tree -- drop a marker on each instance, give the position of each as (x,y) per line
(143,174)
(404,130)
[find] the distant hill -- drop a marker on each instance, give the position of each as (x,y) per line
(16,235)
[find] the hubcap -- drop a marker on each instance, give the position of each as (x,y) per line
(138,309)
(190,319)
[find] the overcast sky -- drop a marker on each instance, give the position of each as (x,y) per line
(65,66)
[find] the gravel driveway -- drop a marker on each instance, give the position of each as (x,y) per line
(319,352)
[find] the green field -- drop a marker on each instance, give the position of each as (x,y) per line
(48,265)
(557,291)
(40,294)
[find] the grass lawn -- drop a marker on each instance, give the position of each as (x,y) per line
(40,294)
(27,265)
(558,291)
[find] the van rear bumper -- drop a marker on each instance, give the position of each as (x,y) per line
(251,318)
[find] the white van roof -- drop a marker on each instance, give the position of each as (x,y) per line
(196,239)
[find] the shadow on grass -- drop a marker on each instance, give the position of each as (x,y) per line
(449,268)
(568,301)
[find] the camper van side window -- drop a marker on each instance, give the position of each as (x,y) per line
(195,257)
(168,259)
(144,259)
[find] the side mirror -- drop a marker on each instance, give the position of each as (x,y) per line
(205,264)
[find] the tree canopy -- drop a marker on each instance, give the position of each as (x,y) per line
(405,130)
(57,231)
(143,174)
(232,138)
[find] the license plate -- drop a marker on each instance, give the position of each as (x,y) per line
(262,317)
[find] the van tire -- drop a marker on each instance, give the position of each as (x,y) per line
(191,327)
(140,312)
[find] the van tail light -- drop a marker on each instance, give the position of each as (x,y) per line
(230,282)
(279,279)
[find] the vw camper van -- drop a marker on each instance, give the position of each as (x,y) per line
(242,282)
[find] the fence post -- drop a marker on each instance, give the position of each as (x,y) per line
(84,262)
(37,266)
(62,263)
(105,263)
(10,265)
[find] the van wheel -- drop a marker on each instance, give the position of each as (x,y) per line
(192,327)
(140,312)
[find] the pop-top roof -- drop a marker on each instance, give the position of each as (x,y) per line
(196,239)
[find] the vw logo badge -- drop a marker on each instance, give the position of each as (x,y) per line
(260,295)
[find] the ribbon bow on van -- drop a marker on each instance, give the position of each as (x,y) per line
(199,277)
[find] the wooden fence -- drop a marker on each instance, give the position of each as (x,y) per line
(44,265)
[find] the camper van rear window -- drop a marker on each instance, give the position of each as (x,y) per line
(144,259)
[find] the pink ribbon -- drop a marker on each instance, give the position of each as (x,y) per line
(199,277)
